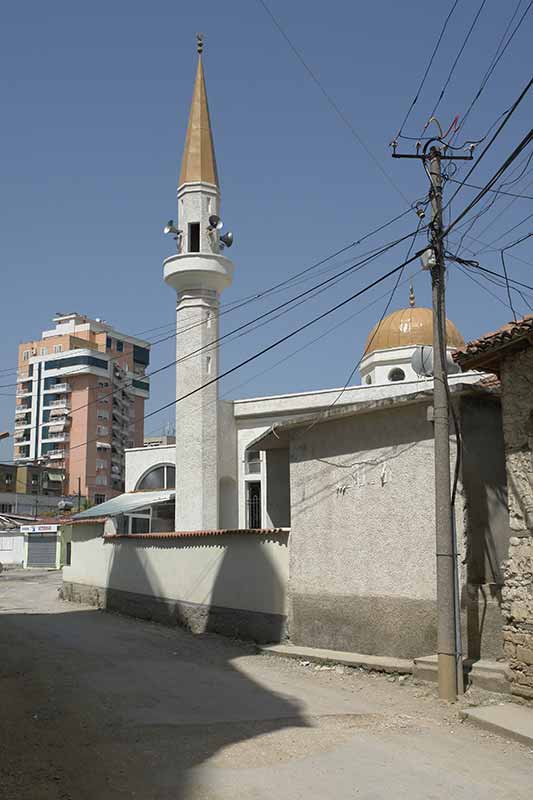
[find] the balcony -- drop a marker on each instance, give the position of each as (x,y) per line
(22,409)
(54,455)
(63,403)
(57,437)
(20,424)
(59,388)
(21,438)
(23,391)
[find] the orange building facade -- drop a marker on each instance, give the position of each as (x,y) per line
(80,403)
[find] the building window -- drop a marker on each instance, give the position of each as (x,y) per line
(139,524)
(120,346)
(99,499)
(253,504)
(43,351)
(26,355)
(68,556)
(6,543)
(163,477)
(58,348)
(108,343)
(101,480)
(194,237)
(8,480)
(6,508)
(396,374)
(368,380)
(252,464)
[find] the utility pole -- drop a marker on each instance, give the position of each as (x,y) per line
(450,662)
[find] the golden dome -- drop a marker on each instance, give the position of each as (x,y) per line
(408,327)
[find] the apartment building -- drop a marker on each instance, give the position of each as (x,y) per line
(80,402)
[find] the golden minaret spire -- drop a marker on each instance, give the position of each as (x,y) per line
(199,162)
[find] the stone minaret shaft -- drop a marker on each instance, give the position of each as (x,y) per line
(198,273)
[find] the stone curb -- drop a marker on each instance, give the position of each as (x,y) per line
(508,719)
(401,666)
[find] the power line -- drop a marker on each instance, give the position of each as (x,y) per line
(487,147)
(495,60)
(374,332)
(458,56)
(336,108)
(289,304)
(428,67)
(271,346)
(235,305)
(508,161)
(496,191)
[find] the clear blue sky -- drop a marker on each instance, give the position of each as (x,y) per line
(95,99)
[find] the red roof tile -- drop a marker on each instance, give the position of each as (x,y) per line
(476,352)
(186,534)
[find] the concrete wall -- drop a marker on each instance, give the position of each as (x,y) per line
(228,513)
(11,547)
(517,593)
(362,562)
(487,529)
(231,583)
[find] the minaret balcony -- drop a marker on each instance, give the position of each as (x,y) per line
(185,271)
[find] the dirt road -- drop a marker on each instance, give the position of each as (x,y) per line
(96,706)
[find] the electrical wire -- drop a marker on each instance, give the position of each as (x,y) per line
(428,67)
(271,346)
(458,56)
(334,105)
(508,161)
(487,147)
(495,60)
(287,304)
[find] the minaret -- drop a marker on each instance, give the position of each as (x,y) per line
(198,273)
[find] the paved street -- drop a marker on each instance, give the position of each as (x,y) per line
(98,706)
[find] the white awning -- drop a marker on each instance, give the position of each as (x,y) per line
(126,503)
(105,445)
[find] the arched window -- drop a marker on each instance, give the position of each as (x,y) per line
(396,374)
(160,477)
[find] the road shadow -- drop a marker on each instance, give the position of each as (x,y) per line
(96,705)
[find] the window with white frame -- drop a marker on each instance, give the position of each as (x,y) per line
(252,462)
(58,348)
(101,464)
(102,430)
(101,480)
(43,351)
(160,477)
(26,355)
(139,521)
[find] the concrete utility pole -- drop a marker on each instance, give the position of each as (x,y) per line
(450,661)
(448,647)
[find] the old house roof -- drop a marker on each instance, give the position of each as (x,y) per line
(487,352)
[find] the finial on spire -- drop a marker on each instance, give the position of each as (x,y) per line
(199,43)
(411,296)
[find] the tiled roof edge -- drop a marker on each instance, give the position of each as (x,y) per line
(188,534)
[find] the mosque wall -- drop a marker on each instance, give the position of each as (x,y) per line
(362,561)
(234,584)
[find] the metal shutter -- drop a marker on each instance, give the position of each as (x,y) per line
(42,549)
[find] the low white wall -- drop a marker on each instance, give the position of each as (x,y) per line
(236,571)
(11,548)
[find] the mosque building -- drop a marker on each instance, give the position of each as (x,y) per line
(308,514)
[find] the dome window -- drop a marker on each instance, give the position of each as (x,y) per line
(396,374)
